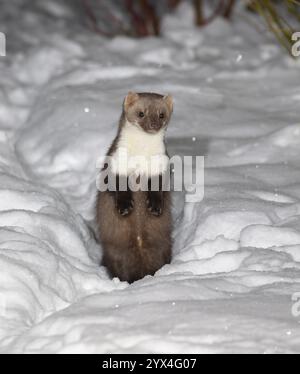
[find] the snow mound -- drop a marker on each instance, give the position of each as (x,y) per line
(261,236)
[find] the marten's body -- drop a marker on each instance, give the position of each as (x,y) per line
(135,227)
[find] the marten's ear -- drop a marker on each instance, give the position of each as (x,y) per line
(130,99)
(169,101)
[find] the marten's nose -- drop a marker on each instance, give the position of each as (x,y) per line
(154,126)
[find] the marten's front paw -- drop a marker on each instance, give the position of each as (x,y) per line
(124,207)
(155,206)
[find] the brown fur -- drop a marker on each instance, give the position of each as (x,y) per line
(138,243)
(135,245)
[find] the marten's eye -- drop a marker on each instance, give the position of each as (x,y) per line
(162,115)
(141,114)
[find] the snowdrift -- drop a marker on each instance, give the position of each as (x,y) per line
(236,263)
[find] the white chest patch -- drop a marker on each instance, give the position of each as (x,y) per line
(140,153)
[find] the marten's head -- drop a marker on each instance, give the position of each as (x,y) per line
(149,111)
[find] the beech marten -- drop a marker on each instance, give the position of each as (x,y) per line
(135,225)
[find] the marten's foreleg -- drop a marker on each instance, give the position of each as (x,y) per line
(123,196)
(155,195)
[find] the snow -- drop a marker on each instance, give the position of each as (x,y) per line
(236,261)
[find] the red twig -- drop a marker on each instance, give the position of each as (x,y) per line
(172,4)
(112,17)
(218,11)
(198,4)
(137,20)
(92,18)
(152,20)
(229,8)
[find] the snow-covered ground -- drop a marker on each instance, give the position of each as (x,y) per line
(236,260)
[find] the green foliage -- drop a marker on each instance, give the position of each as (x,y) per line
(275,14)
